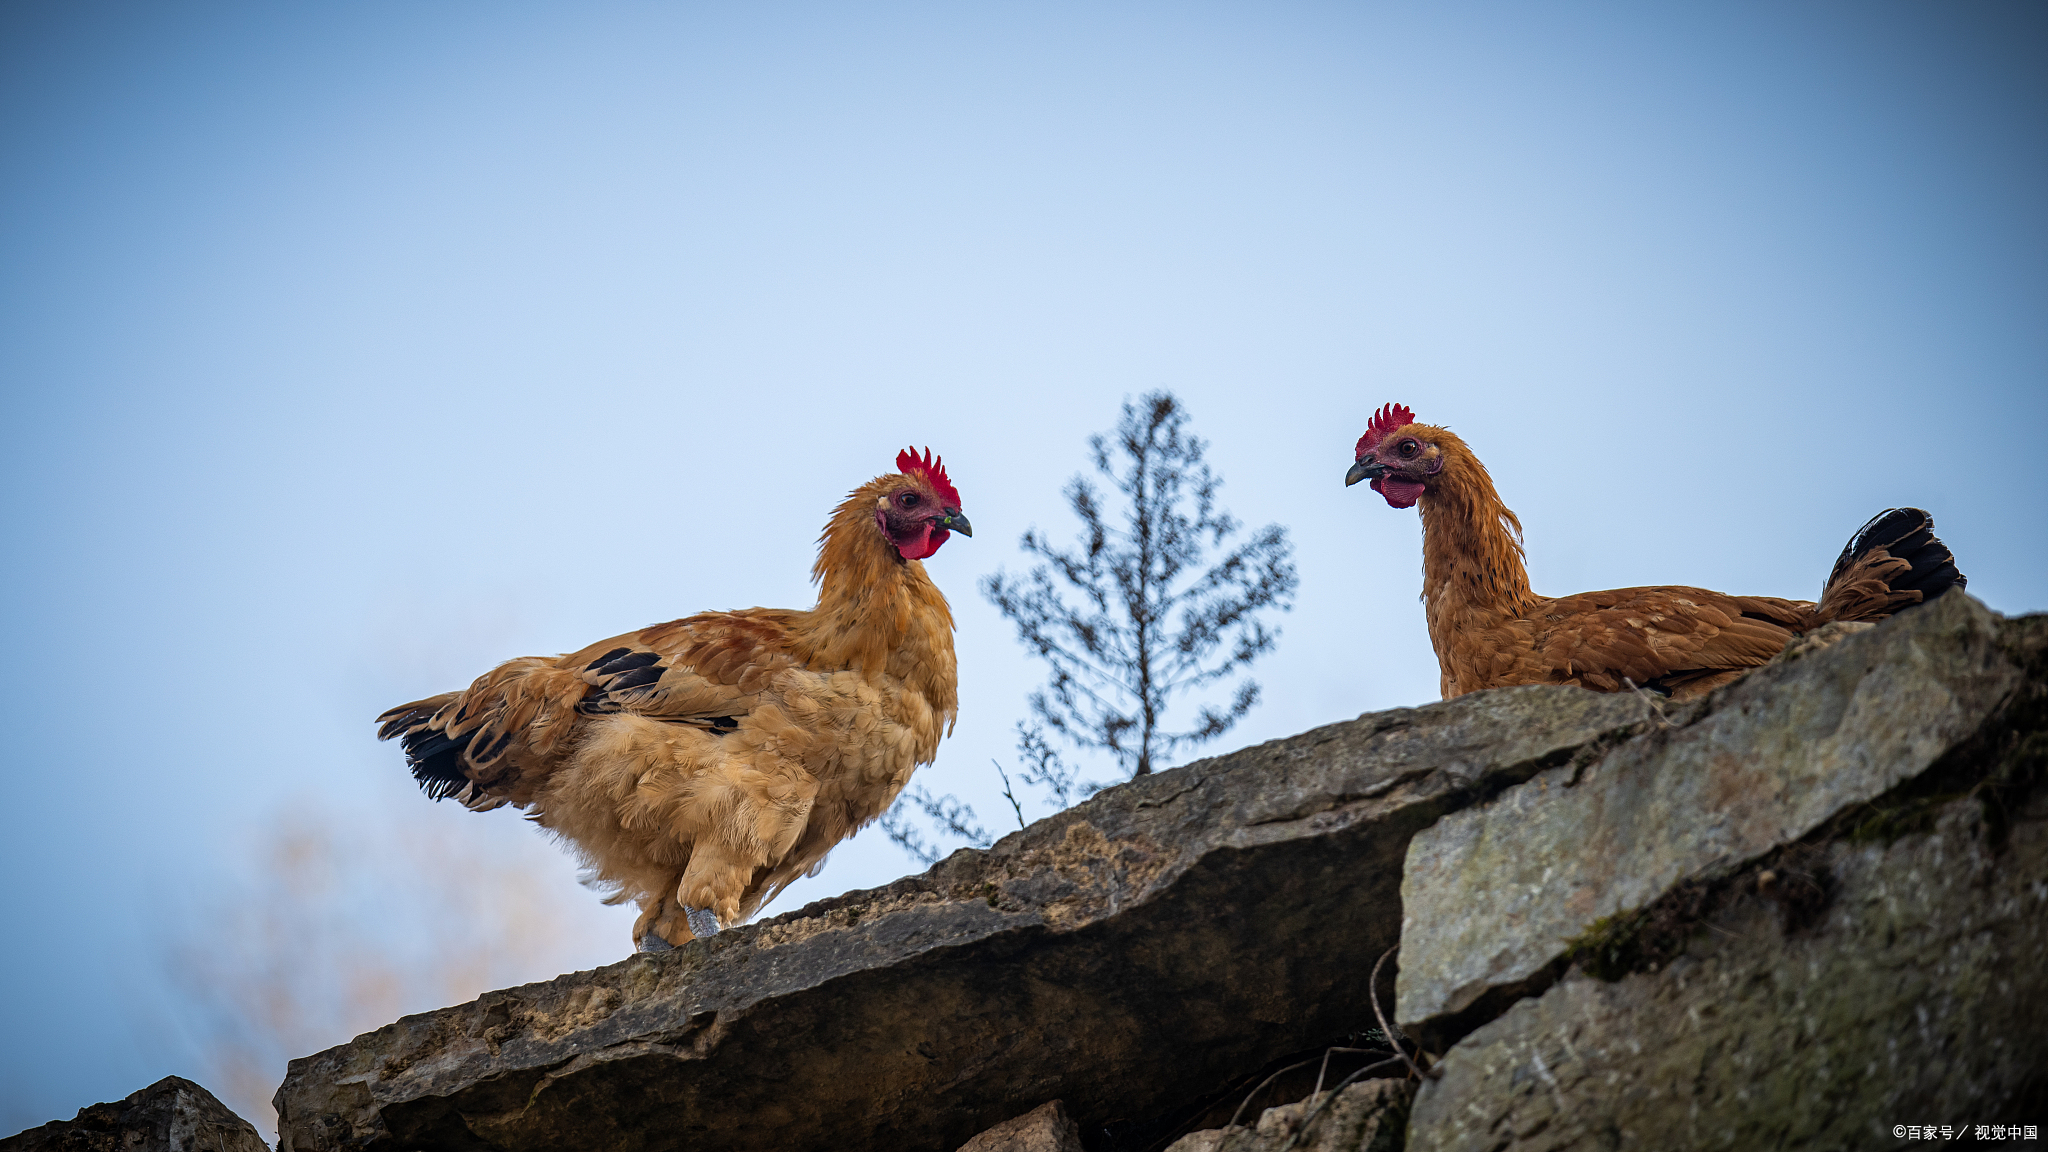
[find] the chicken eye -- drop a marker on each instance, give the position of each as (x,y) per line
(908,499)
(1408,447)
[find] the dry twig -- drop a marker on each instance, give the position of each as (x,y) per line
(1655,701)
(1325,1101)
(1327,1053)
(1372,990)
(1322,1101)
(1253,1095)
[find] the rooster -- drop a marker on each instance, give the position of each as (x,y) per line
(1490,631)
(700,766)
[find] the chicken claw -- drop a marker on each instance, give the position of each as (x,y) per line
(703,924)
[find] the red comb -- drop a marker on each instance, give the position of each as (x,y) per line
(907,462)
(1383,423)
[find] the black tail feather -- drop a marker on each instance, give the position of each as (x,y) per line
(1905,534)
(434,756)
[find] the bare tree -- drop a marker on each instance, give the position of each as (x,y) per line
(1129,619)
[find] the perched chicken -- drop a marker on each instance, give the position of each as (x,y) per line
(1490,630)
(701,766)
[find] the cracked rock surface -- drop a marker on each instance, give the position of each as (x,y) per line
(1125,956)
(1805,942)
(1921,996)
(1493,895)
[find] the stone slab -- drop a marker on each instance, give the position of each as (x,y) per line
(1126,956)
(1920,998)
(1493,895)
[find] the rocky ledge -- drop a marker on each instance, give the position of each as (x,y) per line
(171,1115)
(1624,923)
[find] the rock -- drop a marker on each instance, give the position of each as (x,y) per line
(1494,895)
(1046,1128)
(1145,956)
(1142,950)
(1919,998)
(171,1115)
(1825,636)
(1365,1117)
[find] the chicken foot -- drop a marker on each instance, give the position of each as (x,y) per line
(657,927)
(702,925)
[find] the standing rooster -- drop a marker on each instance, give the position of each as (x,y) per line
(701,766)
(1490,631)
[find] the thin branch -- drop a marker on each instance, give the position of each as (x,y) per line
(1324,1102)
(952,814)
(1393,1035)
(1008,793)
(1239,1114)
(1327,1053)
(895,823)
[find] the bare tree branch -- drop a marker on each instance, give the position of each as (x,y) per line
(1128,619)
(949,812)
(1131,618)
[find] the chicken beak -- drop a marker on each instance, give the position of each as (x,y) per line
(953,521)
(1366,469)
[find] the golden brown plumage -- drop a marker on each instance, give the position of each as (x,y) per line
(708,762)
(1490,630)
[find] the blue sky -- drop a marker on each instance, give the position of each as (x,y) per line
(346,350)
